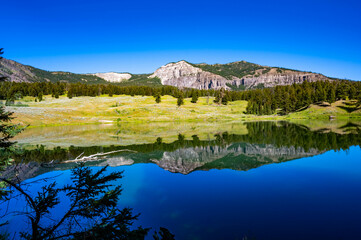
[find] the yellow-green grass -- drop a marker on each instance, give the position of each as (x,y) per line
(341,110)
(125,133)
(138,109)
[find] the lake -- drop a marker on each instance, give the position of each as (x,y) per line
(243,180)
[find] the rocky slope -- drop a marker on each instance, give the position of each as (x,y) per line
(17,72)
(237,75)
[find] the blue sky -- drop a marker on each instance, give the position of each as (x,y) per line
(139,36)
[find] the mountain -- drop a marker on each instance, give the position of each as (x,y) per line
(236,75)
(232,76)
(17,72)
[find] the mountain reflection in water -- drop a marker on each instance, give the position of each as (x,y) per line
(264,143)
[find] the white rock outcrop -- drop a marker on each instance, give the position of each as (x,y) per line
(113,76)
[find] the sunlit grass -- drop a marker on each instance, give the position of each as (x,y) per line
(144,109)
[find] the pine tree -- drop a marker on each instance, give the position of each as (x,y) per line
(180,100)
(352,92)
(7,131)
(331,96)
(157,98)
(70,93)
(194,97)
(92,198)
(40,96)
(225,98)
(217,98)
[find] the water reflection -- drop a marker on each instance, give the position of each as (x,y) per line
(263,143)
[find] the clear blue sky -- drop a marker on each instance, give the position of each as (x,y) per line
(139,36)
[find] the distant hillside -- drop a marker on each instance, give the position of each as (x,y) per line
(232,76)
(141,80)
(17,72)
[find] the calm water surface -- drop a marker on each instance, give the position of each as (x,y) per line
(262,180)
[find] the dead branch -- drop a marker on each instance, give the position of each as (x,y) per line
(95,156)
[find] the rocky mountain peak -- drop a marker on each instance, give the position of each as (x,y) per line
(179,70)
(182,74)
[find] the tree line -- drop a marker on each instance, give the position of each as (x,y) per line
(286,99)
(266,101)
(280,134)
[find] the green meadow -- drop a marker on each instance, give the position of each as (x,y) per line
(143,109)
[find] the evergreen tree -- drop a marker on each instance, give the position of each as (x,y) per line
(217,97)
(40,96)
(180,100)
(157,98)
(194,97)
(93,200)
(110,92)
(7,131)
(331,96)
(359,98)
(352,92)
(225,98)
(70,93)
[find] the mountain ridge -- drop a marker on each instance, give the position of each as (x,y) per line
(237,75)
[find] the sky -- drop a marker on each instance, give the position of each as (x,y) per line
(139,36)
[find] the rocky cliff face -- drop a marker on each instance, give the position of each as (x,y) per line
(113,76)
(273,78)
(183,74)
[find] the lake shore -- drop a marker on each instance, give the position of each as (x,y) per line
(143,109)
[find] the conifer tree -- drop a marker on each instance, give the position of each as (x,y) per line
(180,100)
(7,131)
(70,93)
(92,200)
(157,97)
(194,97)
(40,96)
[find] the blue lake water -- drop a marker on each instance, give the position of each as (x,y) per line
(292,194)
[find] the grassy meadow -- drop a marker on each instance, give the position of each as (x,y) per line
(138,109)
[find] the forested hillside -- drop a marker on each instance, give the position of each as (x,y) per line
(234,69)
